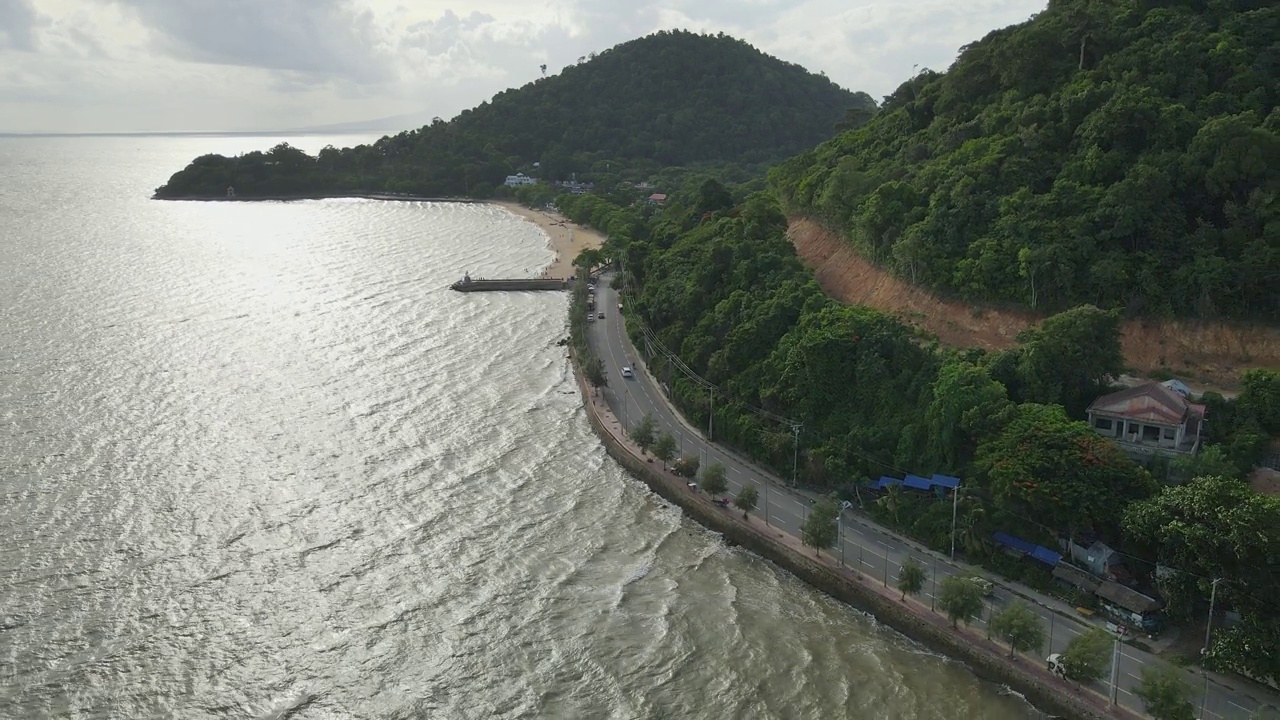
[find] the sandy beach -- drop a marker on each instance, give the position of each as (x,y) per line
(566,238)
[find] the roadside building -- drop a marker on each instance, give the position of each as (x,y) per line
(1149,419)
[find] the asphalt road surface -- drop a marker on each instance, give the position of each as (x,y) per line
(877,552)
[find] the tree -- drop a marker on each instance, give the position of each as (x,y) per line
(1164,694)
(1216,527)
(594,369)
(1088,655)
(713,479)
(645,432)
(819,529)
(959,598)
(686,466)
(746,500)
(1071,357)
(1017,625)
(664,448)
(911,577)
(1060,471)
(967,408)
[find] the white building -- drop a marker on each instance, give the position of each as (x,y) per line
(519,179)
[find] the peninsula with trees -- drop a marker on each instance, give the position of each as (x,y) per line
(672,99)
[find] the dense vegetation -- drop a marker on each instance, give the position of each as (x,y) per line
(669,99)
(720,304)
(1120,154)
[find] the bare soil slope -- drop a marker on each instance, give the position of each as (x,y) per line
(1210,354)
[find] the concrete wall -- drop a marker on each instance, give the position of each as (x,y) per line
(988,663)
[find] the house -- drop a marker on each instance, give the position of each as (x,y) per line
(1149,419)
(1098,558)
(1130,606)
(657,199)
(519,179)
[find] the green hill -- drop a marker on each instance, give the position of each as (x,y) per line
(669,99)
(1123,153)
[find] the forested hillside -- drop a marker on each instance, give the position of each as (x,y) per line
(1122,154)
(669,99)
(715,297)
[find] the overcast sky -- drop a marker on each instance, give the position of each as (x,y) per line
(225,65)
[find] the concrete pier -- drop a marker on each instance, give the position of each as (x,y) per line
(468,284)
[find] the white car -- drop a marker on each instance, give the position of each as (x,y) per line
(628,372)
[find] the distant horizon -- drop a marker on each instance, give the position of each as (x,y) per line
(193,133)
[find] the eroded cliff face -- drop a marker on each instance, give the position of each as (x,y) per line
(1209,354)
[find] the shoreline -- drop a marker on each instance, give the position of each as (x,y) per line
(564,237)
(1023,674)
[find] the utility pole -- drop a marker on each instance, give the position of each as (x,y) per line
(1208,626)
(711,419)
(1204,652)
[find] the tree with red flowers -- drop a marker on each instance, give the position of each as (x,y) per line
(1046,466)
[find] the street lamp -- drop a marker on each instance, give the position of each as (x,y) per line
(1115,667)
(795,454)
(955,500)
(840,534)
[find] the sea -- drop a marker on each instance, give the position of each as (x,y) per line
(257,461)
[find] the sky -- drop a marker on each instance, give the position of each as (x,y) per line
(71,66)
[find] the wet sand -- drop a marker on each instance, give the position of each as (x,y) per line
(565,237)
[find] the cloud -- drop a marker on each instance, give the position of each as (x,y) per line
(318,40)
(18,23)
(69,65)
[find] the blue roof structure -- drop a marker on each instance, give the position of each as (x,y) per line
(1015,543)
(915,482)
(1037,552)
(946,481)
(884,482)
(1046,556)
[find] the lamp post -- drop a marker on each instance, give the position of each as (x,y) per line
(766,500)
(933,597)
(795,454)
(840,535)
(1115,668)
(955,501)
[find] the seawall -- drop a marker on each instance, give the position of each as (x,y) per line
(989,661)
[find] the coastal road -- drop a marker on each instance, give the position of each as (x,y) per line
(862,545)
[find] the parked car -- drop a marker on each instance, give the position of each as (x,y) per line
(1055,665)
